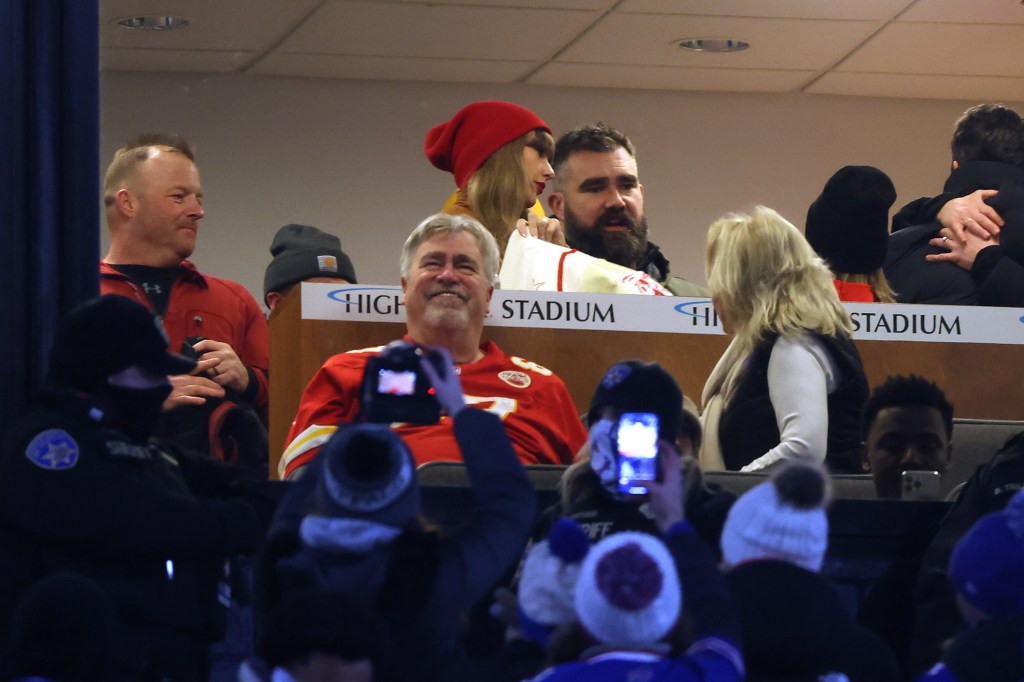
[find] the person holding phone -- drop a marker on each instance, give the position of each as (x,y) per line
(350,524)
(637,414)
(907,430)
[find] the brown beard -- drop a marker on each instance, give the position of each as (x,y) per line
(621,248)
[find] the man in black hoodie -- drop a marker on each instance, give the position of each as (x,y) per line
(927,264)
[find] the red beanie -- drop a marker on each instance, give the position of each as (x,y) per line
(461,145)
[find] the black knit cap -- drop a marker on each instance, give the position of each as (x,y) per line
(301,252)
(368,473)
(637,386)
(105,335)
(848,224)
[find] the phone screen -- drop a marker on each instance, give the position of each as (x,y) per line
(637,443)
(394,382)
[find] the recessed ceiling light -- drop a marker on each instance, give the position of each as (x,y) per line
(153,22)
(714,44)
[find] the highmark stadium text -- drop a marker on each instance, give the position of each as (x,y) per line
(904,323)
(568,311)
(663,314)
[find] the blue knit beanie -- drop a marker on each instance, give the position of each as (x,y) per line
(987,565)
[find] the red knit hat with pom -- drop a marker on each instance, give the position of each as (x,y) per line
(462,144)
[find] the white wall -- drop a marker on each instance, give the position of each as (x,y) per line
(347,156)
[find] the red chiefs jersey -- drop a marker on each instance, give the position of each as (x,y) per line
(534,405)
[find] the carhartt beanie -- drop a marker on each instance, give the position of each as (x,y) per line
(848,224)
(628,590)
(368,474)
(987,565)
(301,252)
(462,144)
(782,519)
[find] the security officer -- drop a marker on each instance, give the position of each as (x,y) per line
(84,487)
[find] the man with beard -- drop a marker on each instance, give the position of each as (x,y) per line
(600,202)
(449,268)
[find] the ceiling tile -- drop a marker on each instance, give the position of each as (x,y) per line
(669,78)
(962,12)
(195,61)
(213,24)
(882,10)
(400,30)
(391,68)
(776,43)
(929,49)
(972,89)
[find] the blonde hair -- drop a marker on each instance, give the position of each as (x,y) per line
(876,280)
(767,279)
(497,191)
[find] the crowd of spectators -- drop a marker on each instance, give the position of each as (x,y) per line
(139,532)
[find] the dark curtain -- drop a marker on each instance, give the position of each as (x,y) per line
(49,184)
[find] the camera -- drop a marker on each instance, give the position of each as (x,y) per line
(395,388)
(636,452)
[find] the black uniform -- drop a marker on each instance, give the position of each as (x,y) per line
(77,493)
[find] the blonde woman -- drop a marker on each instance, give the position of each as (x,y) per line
(500,154)
(791,383)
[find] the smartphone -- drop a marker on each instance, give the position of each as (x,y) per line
(920,485)
(636,441)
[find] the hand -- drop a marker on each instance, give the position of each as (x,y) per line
(226,368)
(190,389)
(970,214)
(962,252)
(667,500)
(548,229)
(447,388)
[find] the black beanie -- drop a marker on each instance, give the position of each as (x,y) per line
(301,252)
(105,335)
(848,225)
(636,386)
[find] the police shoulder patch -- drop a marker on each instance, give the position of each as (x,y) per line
(53,449)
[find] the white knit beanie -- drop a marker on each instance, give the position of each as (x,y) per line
(628,591)
(547,582)
(783,518)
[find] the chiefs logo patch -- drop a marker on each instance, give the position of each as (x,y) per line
(515,379)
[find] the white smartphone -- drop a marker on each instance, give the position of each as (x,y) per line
(921,485)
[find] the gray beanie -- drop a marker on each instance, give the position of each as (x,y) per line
(301,252)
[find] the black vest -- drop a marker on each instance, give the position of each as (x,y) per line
(748,427)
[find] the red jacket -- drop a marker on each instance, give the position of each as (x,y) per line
(854,292)
(214,308)
(534,405)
